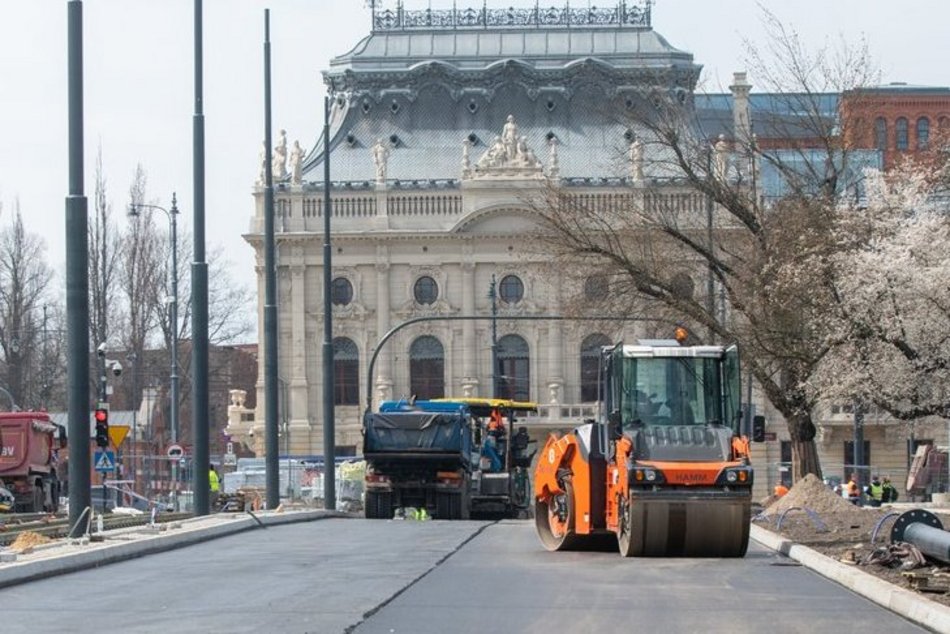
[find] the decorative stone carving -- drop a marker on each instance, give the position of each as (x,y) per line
(380,160)
(238,397)
(721,158)
(296,163)
(636,160)
(554,167)
(384,390)
(508,156)
(279,166)
(466,158)
(262,161)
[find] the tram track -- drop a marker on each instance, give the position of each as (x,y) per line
(57,527)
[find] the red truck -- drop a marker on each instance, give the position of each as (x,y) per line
(29,460)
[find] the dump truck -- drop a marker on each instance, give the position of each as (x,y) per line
(28,460)
(666,469)
(447,456)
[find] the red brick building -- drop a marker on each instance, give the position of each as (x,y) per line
(900,119)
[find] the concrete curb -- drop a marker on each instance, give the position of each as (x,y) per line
(106,553)
(906,603)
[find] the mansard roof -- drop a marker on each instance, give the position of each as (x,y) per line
(399,45)
(425,81)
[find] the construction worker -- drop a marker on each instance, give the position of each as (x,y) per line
(875,491)
(888,491)
(215,485)
(780,490)
(852,491)
(490,448)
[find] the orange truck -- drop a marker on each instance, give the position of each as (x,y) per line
(28,460)
(666,471)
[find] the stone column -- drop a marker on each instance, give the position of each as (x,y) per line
(383,369)
(469,350)
(297,387)
(555,380)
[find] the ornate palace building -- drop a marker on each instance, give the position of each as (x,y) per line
(443,124)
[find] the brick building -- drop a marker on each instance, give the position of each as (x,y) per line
(899,119)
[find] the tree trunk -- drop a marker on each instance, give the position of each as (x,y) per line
(804,451)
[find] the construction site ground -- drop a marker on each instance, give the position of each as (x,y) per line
(842,531)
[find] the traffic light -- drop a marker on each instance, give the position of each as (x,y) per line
(102,427)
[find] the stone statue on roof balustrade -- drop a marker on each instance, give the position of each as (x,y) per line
(296,163)
(279,166)
(380,160)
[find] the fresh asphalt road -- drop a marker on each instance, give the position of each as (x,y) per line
(401,577)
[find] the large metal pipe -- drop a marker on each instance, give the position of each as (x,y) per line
(925,531)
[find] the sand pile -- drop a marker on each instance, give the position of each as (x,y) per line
(811,493)
(26,541)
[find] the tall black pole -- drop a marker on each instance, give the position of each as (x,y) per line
(199,294)
(859,458)
(272,463)
(329,426)
(495,370)
(77,283)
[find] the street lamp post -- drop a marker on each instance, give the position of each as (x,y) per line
(173,377)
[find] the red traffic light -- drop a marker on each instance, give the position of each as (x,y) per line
(102,415)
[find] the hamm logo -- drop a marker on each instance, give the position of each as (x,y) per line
(690,477)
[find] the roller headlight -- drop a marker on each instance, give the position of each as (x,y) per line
(739,476)
(646,475)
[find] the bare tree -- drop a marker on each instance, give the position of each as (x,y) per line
(141,267)
(24,285)
(105,250)
(764,261)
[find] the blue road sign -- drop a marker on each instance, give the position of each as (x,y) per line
(105,461)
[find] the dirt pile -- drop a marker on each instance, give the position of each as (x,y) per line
(813,494)
(25,542)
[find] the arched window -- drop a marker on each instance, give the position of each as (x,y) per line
(513,376)
(923,133)
(427,368)
(425,290)
(880,133)
(346,372)
(900,129)
(511,289)
(590,367)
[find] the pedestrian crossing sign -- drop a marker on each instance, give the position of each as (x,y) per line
(104,461)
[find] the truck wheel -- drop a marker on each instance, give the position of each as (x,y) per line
(379,505)
(448,506)
(466,500)
(39,497)
(54,496)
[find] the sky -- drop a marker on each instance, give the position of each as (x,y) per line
(139,88)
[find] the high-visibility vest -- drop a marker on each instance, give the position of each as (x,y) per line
(213,480)
(877,491)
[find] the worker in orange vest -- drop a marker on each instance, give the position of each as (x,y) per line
(851,490)
(780,490)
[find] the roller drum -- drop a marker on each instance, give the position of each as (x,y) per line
(690,527)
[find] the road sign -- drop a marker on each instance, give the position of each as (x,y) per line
(117,434)
(174,452)
(230,459)
(104,461)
